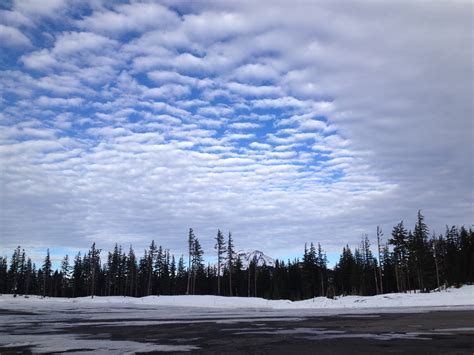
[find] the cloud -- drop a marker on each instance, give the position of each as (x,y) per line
(135,17)
(73,42)
(12,37)
(58,101)
(244,125)
(35,8)
(283,123)
(39,60)
(14,18)
(257,72)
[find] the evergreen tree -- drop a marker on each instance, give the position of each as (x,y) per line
(197,263)
(14,270)
(379,236)
(400,242)
(152,253)
(66,274)
(321,263)
(93,261)
(47,275)
(420,249)
(78,276)
(173,275)
(230,260)
(3,275)
(131,273)
(182,276)
(29,276)
(221,249)
(191,240)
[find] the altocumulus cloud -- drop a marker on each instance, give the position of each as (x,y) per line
(284,122)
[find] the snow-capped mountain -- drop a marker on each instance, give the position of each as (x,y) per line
(255,255)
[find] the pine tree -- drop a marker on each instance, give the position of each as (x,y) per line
(3,275)
(310,272)
(94,265)
(197,262)
(173,276)
(66,274)
(230,260)
(321,263)
(400,242)
(191,239)
(221,249)
(78,276)
(131,273)
(29,275)
(47,275)
(380,235)
(14,270)
(182,275)
(420,249)
(152,253)
(22,272)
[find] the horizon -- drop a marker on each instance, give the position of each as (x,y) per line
(285,124)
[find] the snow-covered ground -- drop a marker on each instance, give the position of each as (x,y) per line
(48,325)
(452,297)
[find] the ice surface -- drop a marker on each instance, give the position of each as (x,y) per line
(72,343)
(48,328)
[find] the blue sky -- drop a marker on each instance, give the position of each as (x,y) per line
(296,122)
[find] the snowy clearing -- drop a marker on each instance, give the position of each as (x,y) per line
(451,297)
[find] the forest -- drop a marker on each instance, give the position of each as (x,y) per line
(407,260)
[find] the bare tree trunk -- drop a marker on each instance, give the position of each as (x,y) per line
(189,275)
(248,281)
(436,263)
(93,279)
(376,281)
(189,282)
(255,280)
(322,284)
(397,276)
(218,277)
(230,281)
(379,233)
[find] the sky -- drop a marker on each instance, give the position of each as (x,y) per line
(284,122)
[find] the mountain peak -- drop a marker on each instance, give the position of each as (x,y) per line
(255,255)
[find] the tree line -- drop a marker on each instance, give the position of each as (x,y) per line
(407,260)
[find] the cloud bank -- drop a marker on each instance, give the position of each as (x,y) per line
(282,122)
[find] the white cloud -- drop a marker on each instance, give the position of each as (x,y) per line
(252,90)
(244,125)
(12,37)
(39,60)
(59,101)
(73,42)
(14,18)
(256,72)
(39,8)
(129,18)
(257,145)
(282,123)
(207,27)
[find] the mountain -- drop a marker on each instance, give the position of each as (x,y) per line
(260,257)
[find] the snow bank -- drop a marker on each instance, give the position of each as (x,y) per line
(463,296)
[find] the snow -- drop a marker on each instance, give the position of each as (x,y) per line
(246,257)
(46,324)
(452,297)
